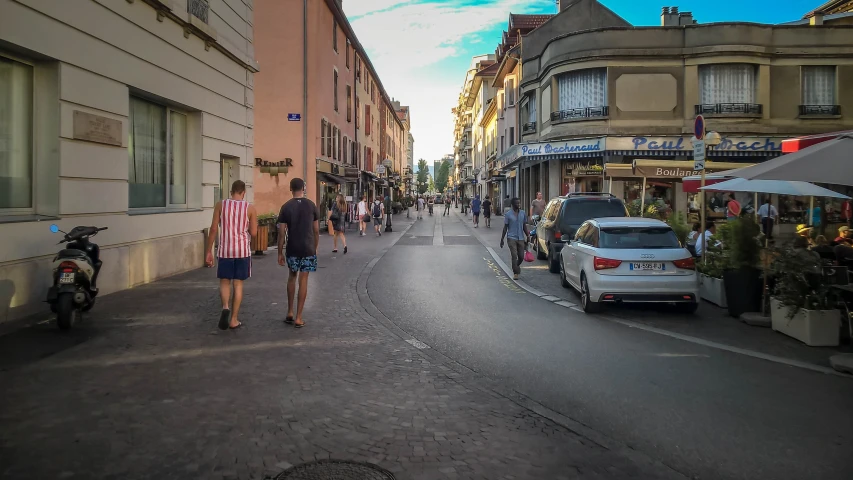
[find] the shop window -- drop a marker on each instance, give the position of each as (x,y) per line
(819,91)
(16,136)
(158,155)
(581,94)
(728,88)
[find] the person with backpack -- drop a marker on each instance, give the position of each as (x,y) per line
(377,213)
(475,210)
(337,217)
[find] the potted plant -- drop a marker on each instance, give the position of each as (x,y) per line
(679,227)
(801,306)
(742,277)
(260,242)
(711,287)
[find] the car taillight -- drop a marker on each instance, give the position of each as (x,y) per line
(685,263)
(67,266)
(604,263)
(558,235)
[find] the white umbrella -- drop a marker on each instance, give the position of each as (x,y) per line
(825,162)
(779,187)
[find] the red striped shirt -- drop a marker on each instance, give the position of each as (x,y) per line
(234,230)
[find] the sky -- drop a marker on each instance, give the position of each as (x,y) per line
(422,48)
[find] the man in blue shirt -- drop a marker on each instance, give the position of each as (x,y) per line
(475,209)
(515,231)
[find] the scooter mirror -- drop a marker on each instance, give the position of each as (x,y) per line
(54,228)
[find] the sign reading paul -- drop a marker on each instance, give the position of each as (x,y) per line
(677,144)
(557,148)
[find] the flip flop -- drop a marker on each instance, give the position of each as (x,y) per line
(224,319)
(289,319)
(298,325)
(238,326)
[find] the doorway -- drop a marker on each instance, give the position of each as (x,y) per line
(229,172)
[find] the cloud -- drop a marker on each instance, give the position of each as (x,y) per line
(413,43)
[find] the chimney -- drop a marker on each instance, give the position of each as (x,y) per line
(664,14)
(686,18)
(815,18)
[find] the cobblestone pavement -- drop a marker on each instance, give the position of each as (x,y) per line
(149,388)
(709,322)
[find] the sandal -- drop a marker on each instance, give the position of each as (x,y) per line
(298,325)
(224,319)
(240,324)
(289,319)
(335,251)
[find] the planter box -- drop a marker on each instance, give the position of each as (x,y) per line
(815,328)
(743,289)
(712,290)
(260,241)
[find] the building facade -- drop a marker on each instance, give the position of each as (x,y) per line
(322,112)
(618,117)
(131,115)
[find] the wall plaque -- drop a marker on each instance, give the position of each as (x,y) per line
(98,129)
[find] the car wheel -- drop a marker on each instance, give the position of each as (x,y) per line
(589,305)
(553,263)
(564,282)
(688,308)
(539,253)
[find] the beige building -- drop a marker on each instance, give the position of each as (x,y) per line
(466,129)
(606,95)
(132,115)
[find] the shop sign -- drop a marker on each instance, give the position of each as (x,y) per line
(96,128)
(663,172)
(556,148)
(274,168)
(674,144)
(584,170)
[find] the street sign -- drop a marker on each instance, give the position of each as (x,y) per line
(294,117)
(698,154)
(380,169)
(699,127)
(387,162)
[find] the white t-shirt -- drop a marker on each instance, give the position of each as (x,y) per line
(763,211)
(420,204)
(362,208)
(705,238)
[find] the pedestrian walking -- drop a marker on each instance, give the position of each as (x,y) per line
(768,215)
(234,222)
(363,217)
(338,217)
(378,210)
(447,201)
(487,212)
(537,206)
(299,221)
(475,210)
(517,236)
(430,203)
(420,207)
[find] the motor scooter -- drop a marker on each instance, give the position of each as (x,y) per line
(75,275)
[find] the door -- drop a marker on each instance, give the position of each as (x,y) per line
(585,251)
(570,256)
(228,174)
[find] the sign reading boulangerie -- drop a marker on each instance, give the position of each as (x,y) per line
(97,128)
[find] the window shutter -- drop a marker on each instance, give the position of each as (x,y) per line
(323,137)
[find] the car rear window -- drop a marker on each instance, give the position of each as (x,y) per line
(577,211)
(638,237)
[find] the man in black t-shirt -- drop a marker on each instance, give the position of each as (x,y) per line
(299,221)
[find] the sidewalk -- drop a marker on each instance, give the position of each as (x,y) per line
(148,387)
(709,323)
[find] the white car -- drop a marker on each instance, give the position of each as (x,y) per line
(638,260)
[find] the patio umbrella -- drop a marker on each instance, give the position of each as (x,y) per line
(825,162)
(779,187)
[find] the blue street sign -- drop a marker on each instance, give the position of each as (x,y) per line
(294,117)
(699,127)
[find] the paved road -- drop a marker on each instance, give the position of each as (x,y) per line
(705,412)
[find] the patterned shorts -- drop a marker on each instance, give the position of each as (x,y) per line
(302,264)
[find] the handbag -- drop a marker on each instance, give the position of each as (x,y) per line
(528,255)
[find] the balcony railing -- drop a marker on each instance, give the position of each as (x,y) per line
(820,109)
(587,113)
(529,127)
(199,9)
(728,109)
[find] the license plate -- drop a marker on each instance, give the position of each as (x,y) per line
(66,278)
(647,266)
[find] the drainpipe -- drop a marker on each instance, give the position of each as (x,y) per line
(305,91)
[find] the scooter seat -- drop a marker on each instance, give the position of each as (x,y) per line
(72,253)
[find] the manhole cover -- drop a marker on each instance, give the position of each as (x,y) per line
(335,470)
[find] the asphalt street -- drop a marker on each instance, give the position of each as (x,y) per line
(705,412)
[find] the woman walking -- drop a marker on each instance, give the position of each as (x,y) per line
(338,218)
(362,215)
(475,210)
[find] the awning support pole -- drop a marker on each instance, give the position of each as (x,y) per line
(811,211)
(704,237)
(643,200)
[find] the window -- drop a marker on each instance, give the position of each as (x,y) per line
(347,53)
(335,134)
(323,137)
(727,83)
(336,90)
(158,155)
(509,86)
(345,150)
(367,124)
(819,85)
(349,103)
(357,113)
(531,108)
(335,34)
(502,144)
(339,152)
(582,89)
(328,139)
(16,135)
(639,237)
(511,136)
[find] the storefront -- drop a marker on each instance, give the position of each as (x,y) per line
(582,176)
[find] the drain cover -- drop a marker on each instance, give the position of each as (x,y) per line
(335,470)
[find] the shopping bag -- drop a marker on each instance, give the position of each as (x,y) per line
(528,255)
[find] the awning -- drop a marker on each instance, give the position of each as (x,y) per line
(619,170)
(678,169)
(796,144)
(692,183)
(371,177)
(334,178)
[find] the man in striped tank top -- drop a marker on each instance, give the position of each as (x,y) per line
(234,223)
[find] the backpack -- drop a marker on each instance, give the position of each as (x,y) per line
(377,210)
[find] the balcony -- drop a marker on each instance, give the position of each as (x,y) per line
(199,9)
(579,114)
(822,111)
(529,127)
(726,109)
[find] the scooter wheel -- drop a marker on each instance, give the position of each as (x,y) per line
(66,311)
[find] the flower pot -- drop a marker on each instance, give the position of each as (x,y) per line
(815,328)
(260,242)
(712,290)
(743,290)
